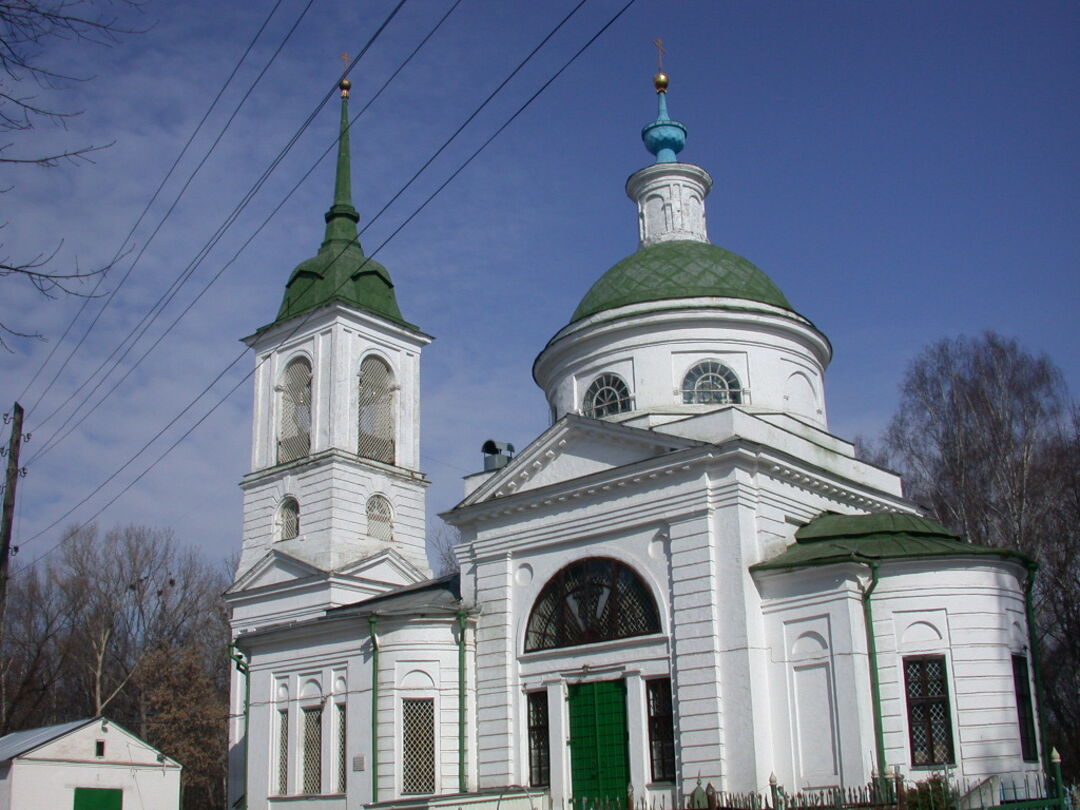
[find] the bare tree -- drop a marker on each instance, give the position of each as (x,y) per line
(31,32)
(441,549)
(983,440)
(131,625)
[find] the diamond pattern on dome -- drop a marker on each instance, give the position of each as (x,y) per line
(679,269)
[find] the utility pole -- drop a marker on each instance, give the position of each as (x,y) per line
(13,472)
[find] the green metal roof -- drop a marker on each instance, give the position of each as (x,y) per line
(340,271)
(679,269)
(833,538)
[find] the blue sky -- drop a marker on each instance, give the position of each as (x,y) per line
(903,171)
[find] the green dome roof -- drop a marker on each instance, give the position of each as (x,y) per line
(679,269)
(340,272)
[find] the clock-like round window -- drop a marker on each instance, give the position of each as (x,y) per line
(711,383)
(595,599)
(607,395)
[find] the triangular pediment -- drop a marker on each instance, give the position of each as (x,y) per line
(387,567)
(575,447)
(275,568)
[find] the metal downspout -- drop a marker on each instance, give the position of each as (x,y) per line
(871,653)
(237,655)
(1036,669)
(462,786)
(374,709)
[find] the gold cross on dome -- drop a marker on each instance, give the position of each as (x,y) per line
(660,51)
(345,59)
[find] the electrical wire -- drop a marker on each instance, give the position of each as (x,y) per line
(299,325)
(146,209)
(166,298)
(149,317)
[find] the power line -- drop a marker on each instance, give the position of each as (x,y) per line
(177,283)
(166,298)
(300,324)
(55,440)
(146,209)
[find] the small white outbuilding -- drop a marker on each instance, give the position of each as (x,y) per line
(89,764)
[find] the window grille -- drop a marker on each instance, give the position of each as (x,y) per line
(711,383)
(539,740)
(289,519)
(661,730)
(294,435)
(1025,714)
(376,411)
(283,753)
(418,745)
(342,728)
(596,599)
(607,395)
(313,750)
(929,723)
(380,519)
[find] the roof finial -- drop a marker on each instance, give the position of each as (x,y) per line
(345,84)
(660,80)
(663,137)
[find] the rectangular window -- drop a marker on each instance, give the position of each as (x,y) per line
(313,751)
(342,728)
(539,741)
(99,748)
(1025,715)
(661,730)
(283,753)
(418,745)
(929,723)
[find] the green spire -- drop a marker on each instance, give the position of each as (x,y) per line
(341,219)
(340,271)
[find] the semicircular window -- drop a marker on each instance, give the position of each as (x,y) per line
(607,395)
(596,599)
(711,383)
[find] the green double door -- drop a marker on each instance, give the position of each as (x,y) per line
(99,799)
(599,756)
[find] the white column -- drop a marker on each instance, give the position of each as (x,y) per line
(559,737)
(637,733)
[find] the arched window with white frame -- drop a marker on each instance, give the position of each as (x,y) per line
(711,383)
(607,395)
(294,428)
(380,518)
(376,415)
(288,519)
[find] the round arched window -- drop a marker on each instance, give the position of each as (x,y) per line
(288,519)
(596,599)
(711,383)
(380,520)
(294,431)
(607,395)
(375,434)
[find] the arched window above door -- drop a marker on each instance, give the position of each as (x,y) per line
(591,600)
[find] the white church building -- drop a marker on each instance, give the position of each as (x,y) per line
(685,579)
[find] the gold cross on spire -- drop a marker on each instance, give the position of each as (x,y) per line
(660,51)
(345,84)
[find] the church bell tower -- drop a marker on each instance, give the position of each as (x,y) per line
(335,492)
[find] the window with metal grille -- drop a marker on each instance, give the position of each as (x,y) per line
(929,722)
(380,519)
(596,599)
(539,741)
(711,383)
(283,753)
(288,519)
(294,433)
(313,750)
(342,728)
(661,730)
(376,411)
(1025,714)
(418,745)
(607,395)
